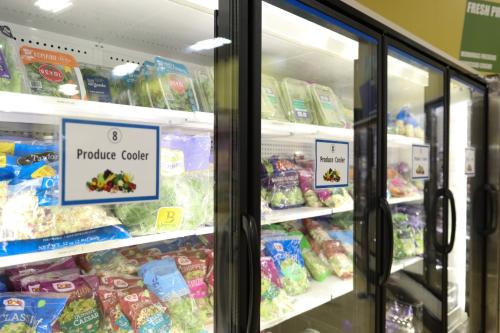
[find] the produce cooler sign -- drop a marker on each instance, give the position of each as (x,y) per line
(332,164)
(470,161)
(420,161)
(105,162)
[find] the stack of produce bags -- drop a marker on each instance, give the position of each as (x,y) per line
(129,290)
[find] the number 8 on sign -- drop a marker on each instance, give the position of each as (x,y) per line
(114,135)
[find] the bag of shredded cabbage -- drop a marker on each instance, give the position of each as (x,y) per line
(30,313)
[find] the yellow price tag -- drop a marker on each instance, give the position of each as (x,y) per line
(169,218)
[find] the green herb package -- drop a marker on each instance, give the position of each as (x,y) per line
(52,73)
(329,109)
(11,76)
(205,87)
(272,102)
(298,101)
(177,85)
(153,86)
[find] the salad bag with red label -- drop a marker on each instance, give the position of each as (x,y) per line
(51,73)
(177,85)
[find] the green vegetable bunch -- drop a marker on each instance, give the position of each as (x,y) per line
(17,328)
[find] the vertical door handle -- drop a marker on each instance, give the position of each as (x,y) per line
(491,209)
(449,196)
(387,241)
(250,231)
(440,193)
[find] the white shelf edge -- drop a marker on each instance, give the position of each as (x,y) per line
(402,140)
(17,107)
(298,213)
(403,263)
(413,198)
(18,259)
(318,294)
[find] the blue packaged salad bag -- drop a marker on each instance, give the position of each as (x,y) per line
(30,312)
(287,258)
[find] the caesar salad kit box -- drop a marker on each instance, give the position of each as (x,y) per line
(51,73)
(177,85)
(11,76)
(298,101)
(205,87)
(97,82)
(329,109)
(272,102)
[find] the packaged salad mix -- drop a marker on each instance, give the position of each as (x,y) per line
(51,73)
(30,313)
(328,106)
(298,101)
(97,82)
(11,76)
(271,99)
(177,85)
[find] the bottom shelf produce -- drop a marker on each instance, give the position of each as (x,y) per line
(162,287)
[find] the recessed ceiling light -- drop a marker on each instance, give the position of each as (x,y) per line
(53,6)
(209,44)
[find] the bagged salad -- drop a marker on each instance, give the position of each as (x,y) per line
(51,73)
(280,178)
(287,257)
(298,101)
(81,313)
(140,86)
(114,319)
(144,311)
(97,82)
(177,85)
(274,302)
(332,249)
(205,87)
(11,77)
(271,100)
(186,182)
(328,106)
(33,313)
(164,279)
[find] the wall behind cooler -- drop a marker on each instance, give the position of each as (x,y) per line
(438,22)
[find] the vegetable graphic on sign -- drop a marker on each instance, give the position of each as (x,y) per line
(111,182)
(420,170)
(331,176)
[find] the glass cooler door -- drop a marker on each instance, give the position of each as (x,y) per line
(415,182)
(318,172)
(466,182)
(110,217)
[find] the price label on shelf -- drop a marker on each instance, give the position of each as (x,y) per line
(420,161)
(169,218)
(105,162)
(470,161)
(332,164)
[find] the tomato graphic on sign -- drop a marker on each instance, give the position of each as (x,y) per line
(177,85)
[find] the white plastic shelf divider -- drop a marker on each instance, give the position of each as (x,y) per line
(318,294)
(99,246)
(395,140)
(413,198)
(26,108)
(298,213)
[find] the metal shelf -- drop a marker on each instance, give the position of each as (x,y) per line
(99,246)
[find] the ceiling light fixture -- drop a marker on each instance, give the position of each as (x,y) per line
(53,6)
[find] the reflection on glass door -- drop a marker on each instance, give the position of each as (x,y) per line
(466,178)
(415,147)
(318,129)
